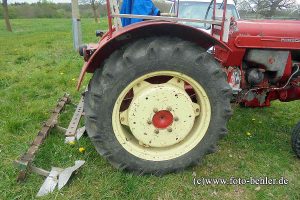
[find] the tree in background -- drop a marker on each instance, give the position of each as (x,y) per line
(6,16)
(266,8)
(95,7)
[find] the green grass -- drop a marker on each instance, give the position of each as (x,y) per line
(38,65)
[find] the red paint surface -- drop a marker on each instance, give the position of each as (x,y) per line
(162,119)
(285,95)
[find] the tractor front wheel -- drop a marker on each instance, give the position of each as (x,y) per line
(157,105)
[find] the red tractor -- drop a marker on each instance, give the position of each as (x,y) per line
(159,99)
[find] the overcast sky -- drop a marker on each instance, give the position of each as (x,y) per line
(57,1)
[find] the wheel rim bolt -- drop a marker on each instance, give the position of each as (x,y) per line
(149,122)
(176,119)
(197,110)
(156,131)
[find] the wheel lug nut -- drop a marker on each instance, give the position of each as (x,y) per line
(156,131)
(176,119)
(149,122)
(155,110)
(169,129)
(197,110)
(169,108)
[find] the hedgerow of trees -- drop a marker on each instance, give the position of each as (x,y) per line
(45,9)
(269,8)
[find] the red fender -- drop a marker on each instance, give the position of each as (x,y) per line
(112,41)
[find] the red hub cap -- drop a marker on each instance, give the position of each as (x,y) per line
(162,119)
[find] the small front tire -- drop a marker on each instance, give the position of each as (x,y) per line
(296,140)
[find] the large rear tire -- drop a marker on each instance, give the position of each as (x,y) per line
(157,105)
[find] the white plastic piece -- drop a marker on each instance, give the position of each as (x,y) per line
(50,182)
(58,176)
(80,132)
(70,139)
(65,175)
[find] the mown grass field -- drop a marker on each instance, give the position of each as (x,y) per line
(38,64)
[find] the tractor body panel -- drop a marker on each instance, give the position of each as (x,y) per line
(271,28)
(267,53)
(266,34)
(259,34)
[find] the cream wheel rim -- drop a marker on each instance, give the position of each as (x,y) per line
(161,122)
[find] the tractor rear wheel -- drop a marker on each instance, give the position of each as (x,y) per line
(157,105)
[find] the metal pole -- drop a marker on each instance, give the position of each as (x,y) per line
(223,19)
(109,18)
(76,26)
(177,9)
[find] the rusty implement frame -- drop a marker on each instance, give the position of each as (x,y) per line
(24,163)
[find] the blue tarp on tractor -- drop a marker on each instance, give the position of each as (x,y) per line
(137,7)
